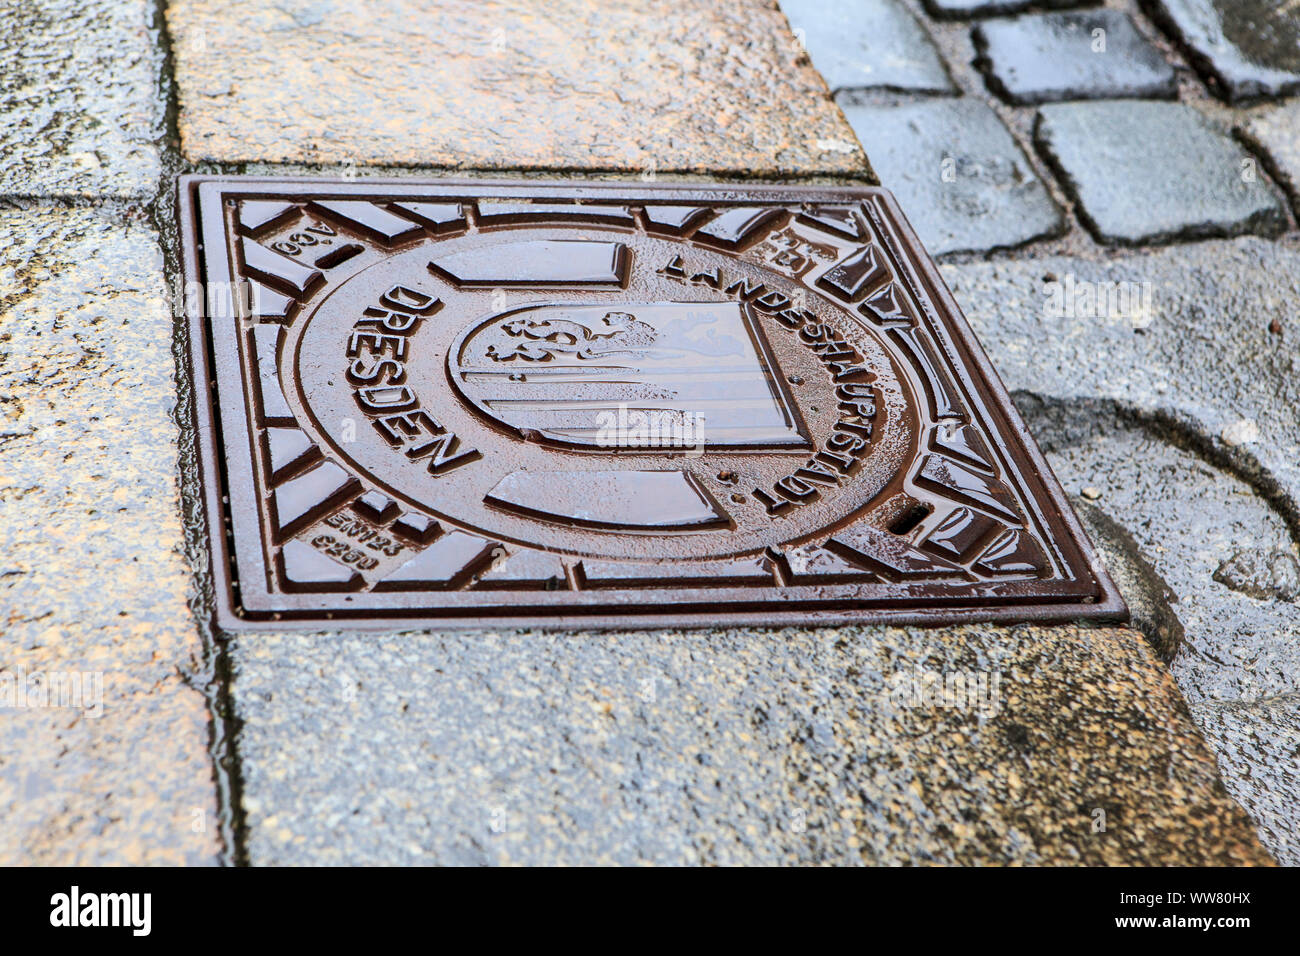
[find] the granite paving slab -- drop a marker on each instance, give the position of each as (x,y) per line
(1200,337)
(505,84)
(81,106)
(104,734)
(1068,745)
(1191,520)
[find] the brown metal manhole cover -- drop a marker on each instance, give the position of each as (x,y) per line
(451,402)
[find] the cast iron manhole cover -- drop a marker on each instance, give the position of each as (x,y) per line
(562,404)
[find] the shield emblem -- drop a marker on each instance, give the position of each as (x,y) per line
(653,375)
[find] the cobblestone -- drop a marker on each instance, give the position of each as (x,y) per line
(956,9)
(1151,172)
(868,44)
(1251,48)
(960,177)
(1275,132)
(1091,54)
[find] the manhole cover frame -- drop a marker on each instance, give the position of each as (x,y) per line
(246,595)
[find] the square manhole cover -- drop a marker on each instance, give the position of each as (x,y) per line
(445,402)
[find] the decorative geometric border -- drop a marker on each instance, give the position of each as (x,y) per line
(861,574)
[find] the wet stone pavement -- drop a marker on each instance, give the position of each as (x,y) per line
(81,118)
(1164,427)
(1193,180)
(724,747)
(985,195)
(1089,54)
(103,733)
(711,88)
(1123,244)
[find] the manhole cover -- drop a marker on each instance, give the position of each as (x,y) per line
(560,404)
